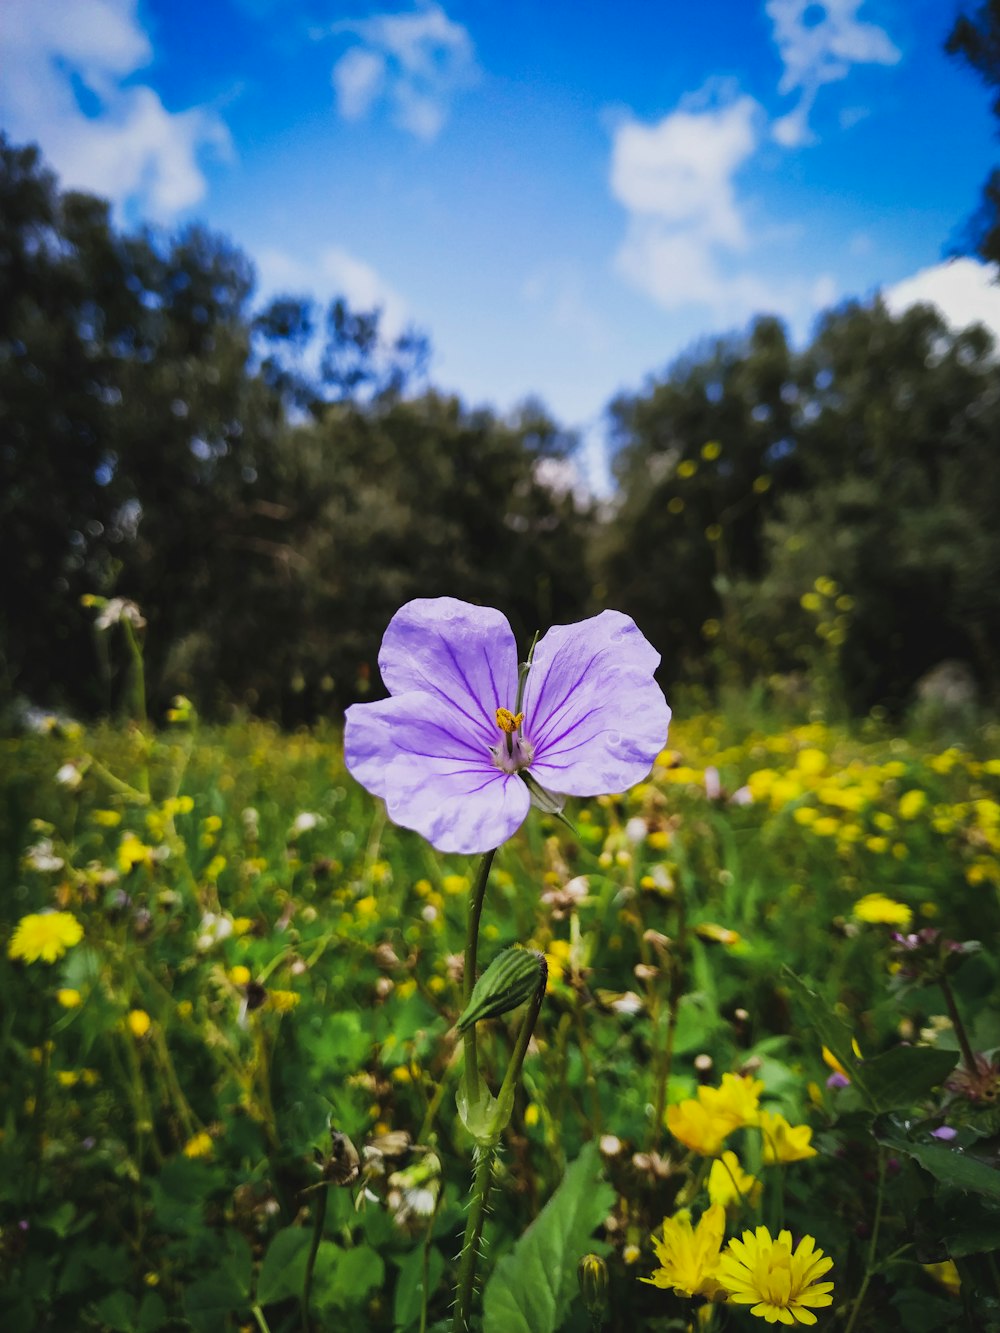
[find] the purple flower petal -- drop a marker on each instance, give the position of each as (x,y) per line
(593,712)
(458,807)
(413,723)
(463,654)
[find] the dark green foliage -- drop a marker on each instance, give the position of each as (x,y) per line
(976,39)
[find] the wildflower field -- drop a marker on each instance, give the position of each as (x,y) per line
(759,1087)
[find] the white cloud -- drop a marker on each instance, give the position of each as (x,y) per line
(336,272)
(819,41)
(688,241)
(124,143)
(965,291)
(414,61)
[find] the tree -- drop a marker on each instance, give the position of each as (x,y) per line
(976,39)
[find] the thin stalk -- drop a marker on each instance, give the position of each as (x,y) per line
(469,978)
(968,1055)
(317,1236)
(665,1062)
(258,1314)
(872,1248)
(483,1178)
(481,1182)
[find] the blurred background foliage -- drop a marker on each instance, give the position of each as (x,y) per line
(271,484)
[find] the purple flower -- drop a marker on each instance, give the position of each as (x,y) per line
(449,755)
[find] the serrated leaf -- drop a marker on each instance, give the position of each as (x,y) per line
(952,1166)
(532,1287)
(284,1268)
(902,1076)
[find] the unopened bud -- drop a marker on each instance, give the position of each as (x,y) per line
(514,976)
(593,1275)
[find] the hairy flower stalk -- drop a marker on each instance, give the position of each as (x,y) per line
(466,742)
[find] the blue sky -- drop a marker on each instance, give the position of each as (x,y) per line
(563,195)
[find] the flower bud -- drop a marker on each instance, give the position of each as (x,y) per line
(593,1275)
(513,977)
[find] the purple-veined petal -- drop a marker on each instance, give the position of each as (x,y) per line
(456,806)
(413,723)
(593,712)
(463,654)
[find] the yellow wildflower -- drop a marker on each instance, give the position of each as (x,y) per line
(453,884)
(69,998)
(132,852)
(198,1146)
(947,1274)
(45,936)
(711,451)
(695,1127)
(689,1256)
(106,818)
(139,1022)
(284,1001)
(784,1142)
(729,1185)
(911,803)
(777,1282)
(239,975)
(736,1100)
(877,909)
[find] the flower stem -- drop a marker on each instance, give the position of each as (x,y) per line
(968,1055)
(469,975)
(873,1246)
(481,1182)
(317,1236)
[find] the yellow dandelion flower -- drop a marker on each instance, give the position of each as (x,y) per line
(877,909)
(729,1185)
(694,1126)
(69,998)
(132,852)
(453,884)
(199,1146)
(689,1256)
(736,1100)
(44,936)
(106,818)
(811,762)
(239,975)
(284,1001)
(911,803)
(139,1022)
(531,1114)
(777,1282)
(784,1142)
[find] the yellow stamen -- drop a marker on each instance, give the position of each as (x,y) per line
(507,721)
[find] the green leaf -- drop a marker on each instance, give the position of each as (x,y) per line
(532,1287)
(952,1166)
(830,1031)
(284,1268)
(953,1224)
(410,1285)
(345,1278)
(152,1313)
(237,1261)
(904,1075)
(116,1311)
(209,1302)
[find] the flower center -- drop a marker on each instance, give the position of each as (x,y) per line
(514,752)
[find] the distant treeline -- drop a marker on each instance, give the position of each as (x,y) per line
(269,485)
